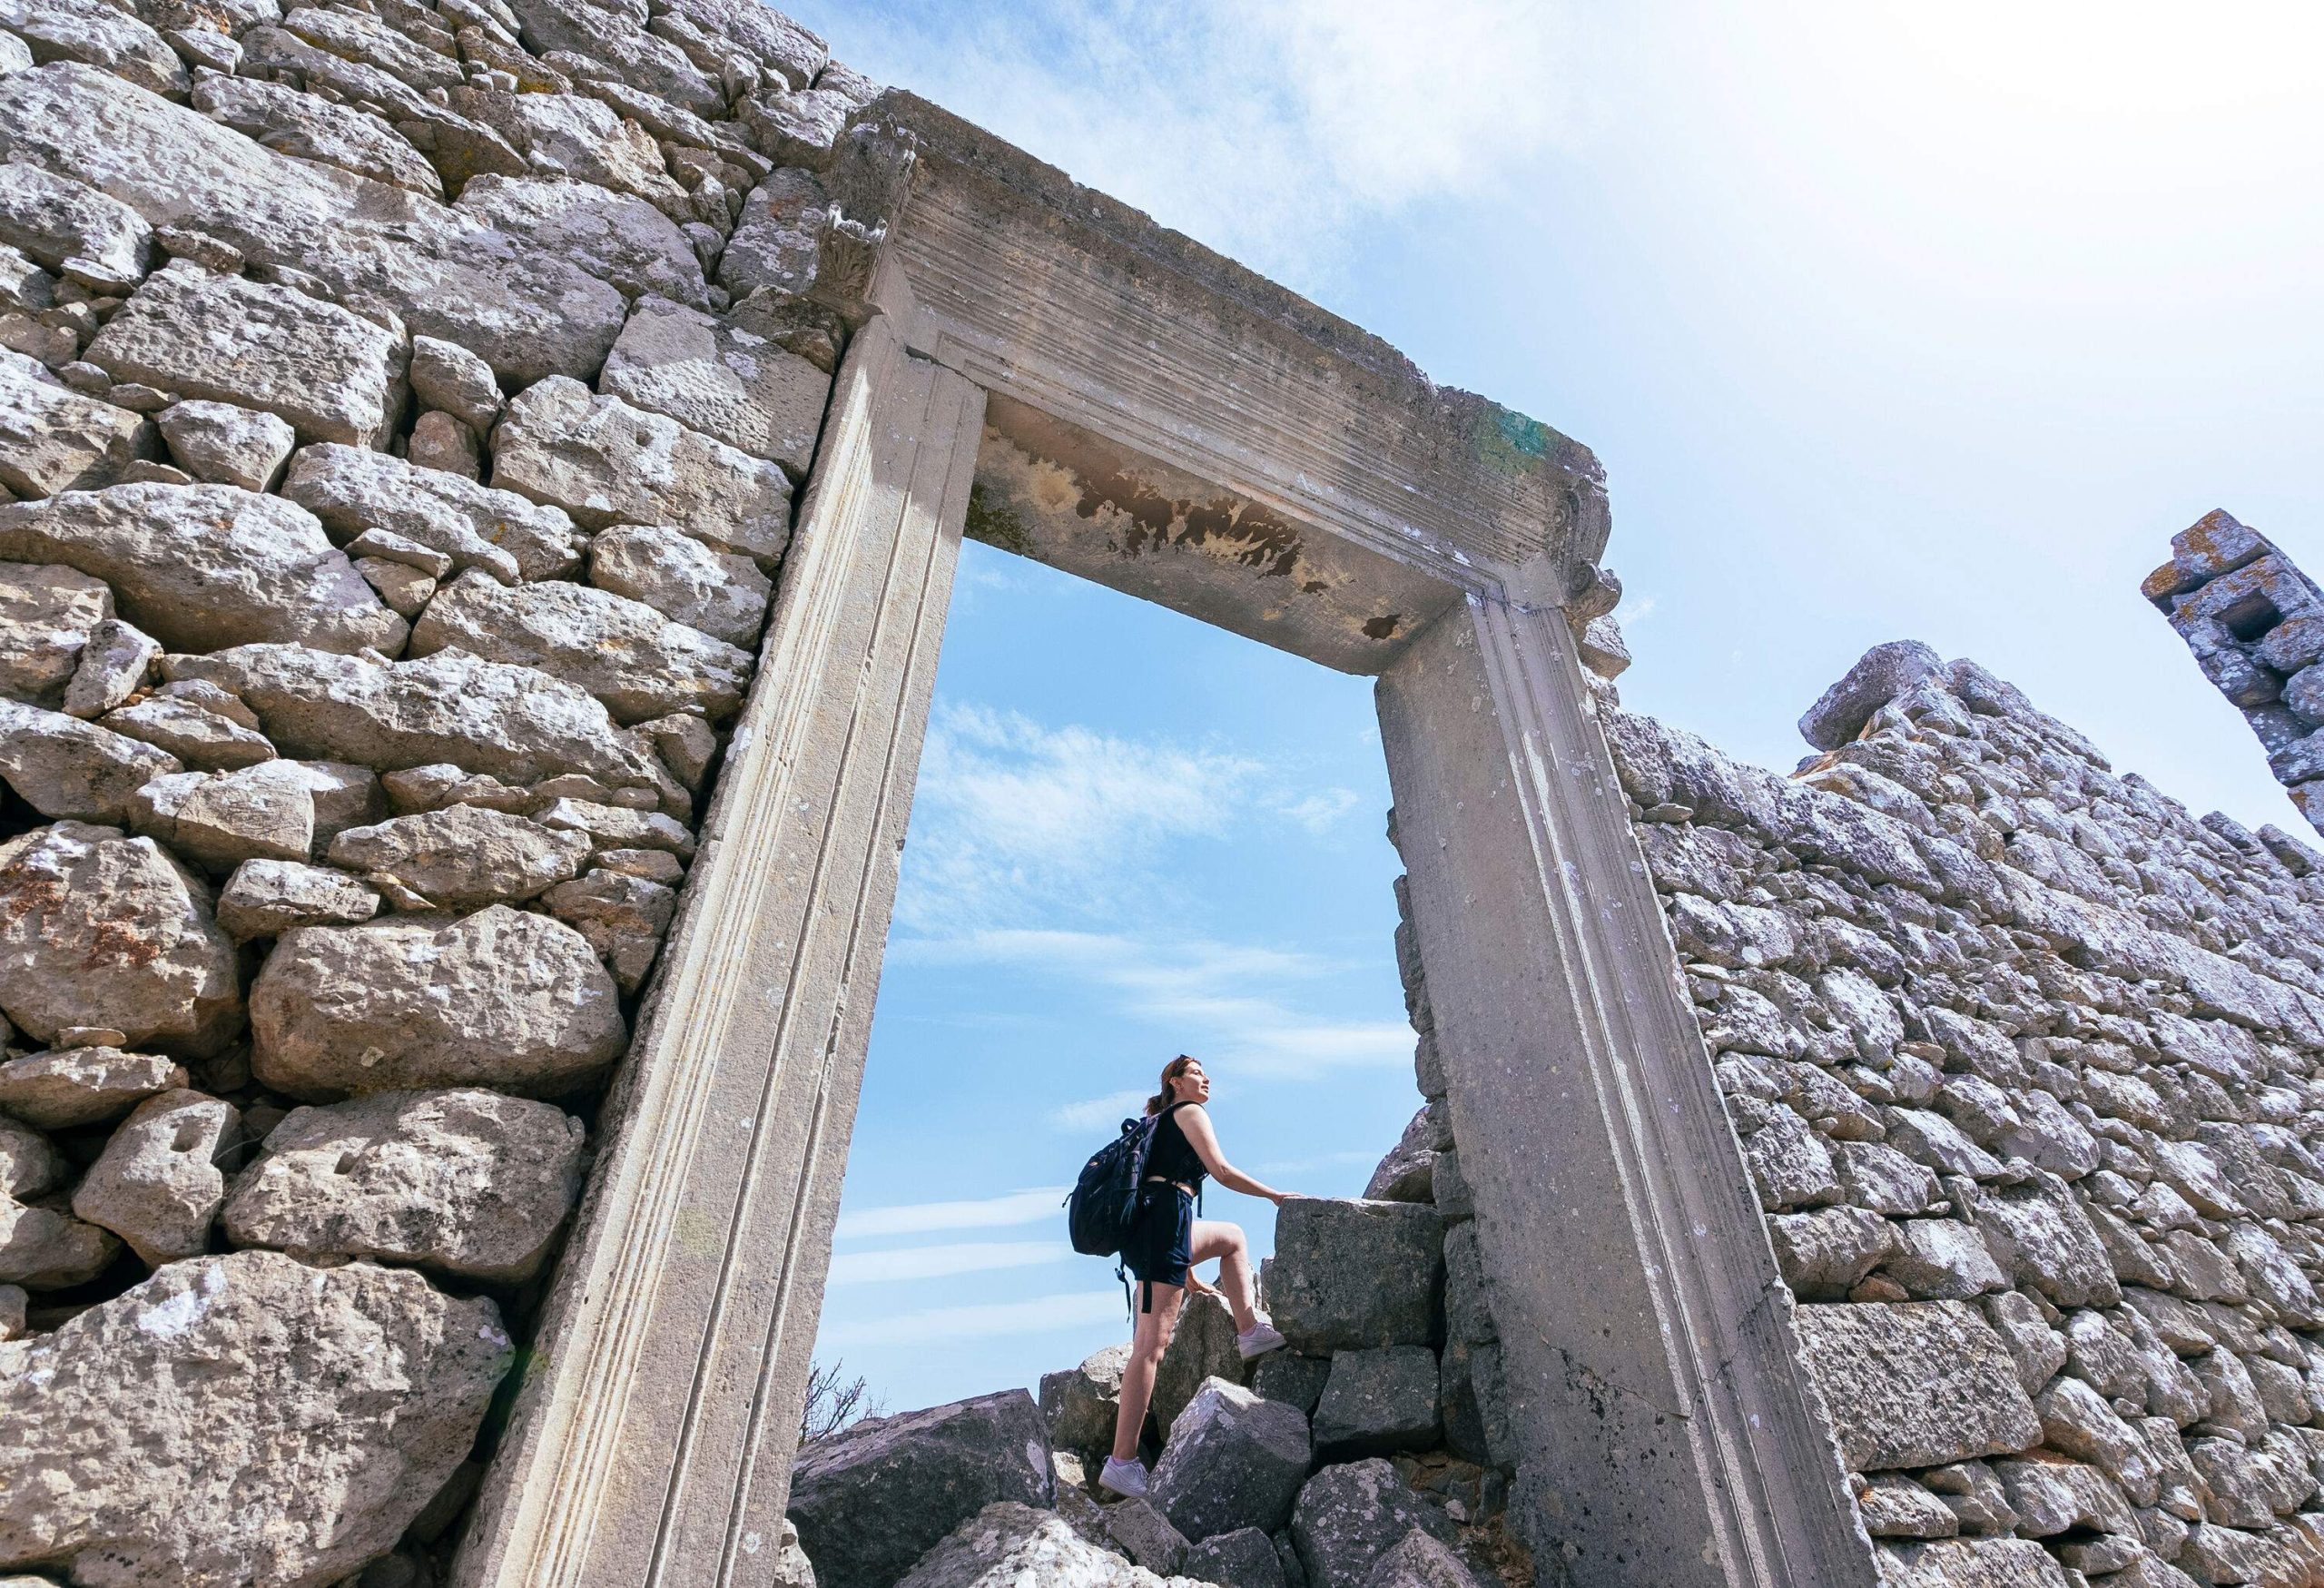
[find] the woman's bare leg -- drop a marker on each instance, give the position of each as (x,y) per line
(1147,1345)
(1216,1239)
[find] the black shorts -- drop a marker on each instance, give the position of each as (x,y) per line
(1161,1244)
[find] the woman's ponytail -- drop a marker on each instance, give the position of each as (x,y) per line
(1170,1073)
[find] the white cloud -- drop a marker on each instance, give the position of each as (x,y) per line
(1097,1113)
(1226,1001)
(1264,130)
(939,1262)
(1016,820)
(987,1213)
(1035,1314)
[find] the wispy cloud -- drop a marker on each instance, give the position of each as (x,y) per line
(1025,1207)
(1265,131)
(1036,1314)
(1018,820)
(939,1262)
(1096,1113)
(1229,1000)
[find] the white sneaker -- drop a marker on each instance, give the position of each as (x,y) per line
(1258,1339)
(1126,1479)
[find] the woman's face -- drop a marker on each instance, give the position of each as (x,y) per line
(1192,1085)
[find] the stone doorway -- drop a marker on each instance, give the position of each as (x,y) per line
(1049,372)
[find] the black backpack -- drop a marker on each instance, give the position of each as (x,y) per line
(1104,1200)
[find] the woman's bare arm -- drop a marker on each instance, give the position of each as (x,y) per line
(1195,1123)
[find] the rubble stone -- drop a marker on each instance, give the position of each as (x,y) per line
(227,445)
(68,1087)
(354,490)
(465,1181)
(1145,1536)
(514,1000)
(99,929)
(54,439)
(1920,1383)
(69,770)
(621,241)
(310,127)
(81,232)
(201,566)
(717,379)
(242,1418)
(158,1183)
(1378,1401)
(266,898)
(1349,1516)
(1012,1543)
(953,1460)
(1234,1461)
(1081,1404)
(464,856)
(723,596)
(46,615)
(43,1249)
(1243,1558)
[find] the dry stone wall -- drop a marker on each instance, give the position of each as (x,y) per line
(401,407)
(2255,624)
(2022,1057)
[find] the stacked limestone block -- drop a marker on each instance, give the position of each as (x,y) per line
(2022,1057)
(402,407)
(2255,624)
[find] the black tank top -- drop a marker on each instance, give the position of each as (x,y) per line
(1172,1156)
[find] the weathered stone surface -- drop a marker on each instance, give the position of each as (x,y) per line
(622,917)
(1145,1536)
(46,615)
(28,1164)
(204,565)
(190,732)
(312,128)
(1880,676)
(621,241)
(356,36)
(723,596)
(227,445)
(774,247)
(619,827)
(606,462)
(242,1418)
(2077,1420)
(115,662)
(158,1183)
(99,35)
(331,375)
(266,898)
(1234,1461)
(1201,1348)
(1970,1562)
(353,489)
(1347,1275)
(517,304)
(502,997)
(1349,1516)
(1897,1507)
(1823,1254)
(796,128)
(219,820)
(463,855)
(717,378)
(101,930)
(53,438)
(67,769)
(447,376)
(1918,1384)
(438,441)
(509,723)
(80,233)
(639,663)
(466,1181)
(1420,1561)
(43,1249)
(953,1460)
(2040,1235)
(1012,1544)
(1287,1376)
(1942,1259)
(1377,1401)
(1407,1174)
(66,1087)
(1081,1404)
(1245,1558)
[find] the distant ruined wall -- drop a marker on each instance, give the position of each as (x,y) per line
(2255,624)
(2023,1058)
(402,405)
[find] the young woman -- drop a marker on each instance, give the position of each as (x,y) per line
(1166,1240)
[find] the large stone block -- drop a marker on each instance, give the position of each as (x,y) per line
(1880,676)
(1012,1544)
(1081,1404)
(331,375)
(620,240)
(1914,1384)
(2040,1235)
(1245,1558)
(201,566)
(101,930)
(514,724)
(1377,1401)
(1349,1516)
(157,1184)
(1347,1275)
(1970,1562)
(627,654)
(722,595)
(527,311)
(606,462)
(467,1181)
(514,1000)
(1234,1461)
(69,770)
(715,377)
(870,1500)
(241,1419)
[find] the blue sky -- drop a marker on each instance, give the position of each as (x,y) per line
(1885,320)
